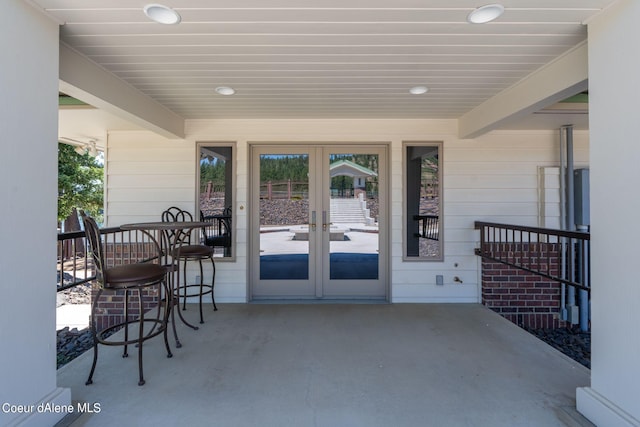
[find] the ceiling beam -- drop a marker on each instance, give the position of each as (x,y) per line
(563,77)
(83,79)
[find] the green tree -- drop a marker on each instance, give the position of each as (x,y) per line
(214,171)
(80,183)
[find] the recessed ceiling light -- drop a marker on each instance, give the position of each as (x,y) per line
(485,13)
(225,90)
(162,14)
(418,90)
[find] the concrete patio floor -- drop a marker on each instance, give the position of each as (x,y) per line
(336,365)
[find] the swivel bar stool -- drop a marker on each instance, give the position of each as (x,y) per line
(127,279)
(184,251)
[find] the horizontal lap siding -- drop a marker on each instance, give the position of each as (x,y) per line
(145,175)
(160,180)
(118,167)
(150,195)
(492,178)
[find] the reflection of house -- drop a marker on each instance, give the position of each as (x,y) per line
(357,172)
(491,167)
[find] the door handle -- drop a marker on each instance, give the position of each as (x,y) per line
(313,221)
(324,221)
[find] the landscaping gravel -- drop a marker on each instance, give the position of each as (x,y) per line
(72,343)
(570,341)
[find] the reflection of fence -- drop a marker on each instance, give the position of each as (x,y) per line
(344,193)
(212,187)
(284,190)
(429,228)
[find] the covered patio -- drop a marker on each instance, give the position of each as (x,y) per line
(497,122)
(337,365)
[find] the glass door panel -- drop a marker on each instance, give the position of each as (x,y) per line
(282,244)
(353,203)
(351,198)
(284,216)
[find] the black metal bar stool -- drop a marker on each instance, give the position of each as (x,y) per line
(183,252)
(128,279)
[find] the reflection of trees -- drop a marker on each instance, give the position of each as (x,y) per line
(212,172)
(341,182)
(430,165)
(429,186)
(283,168)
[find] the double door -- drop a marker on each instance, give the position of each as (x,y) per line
(318,226)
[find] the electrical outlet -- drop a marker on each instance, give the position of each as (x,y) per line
(440,280)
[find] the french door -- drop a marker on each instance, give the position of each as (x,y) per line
(319,222)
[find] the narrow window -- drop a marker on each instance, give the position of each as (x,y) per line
(215,197)
(423,201)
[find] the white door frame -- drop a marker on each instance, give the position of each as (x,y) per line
(318,276)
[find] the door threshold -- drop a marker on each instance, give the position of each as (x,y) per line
(317,301)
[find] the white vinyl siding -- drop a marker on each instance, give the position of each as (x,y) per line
(549,209)
(492,178)
(146,174)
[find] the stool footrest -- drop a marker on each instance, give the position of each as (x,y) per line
(102,336)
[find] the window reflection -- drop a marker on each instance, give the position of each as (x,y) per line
(284,217)
(423,201)
(216,197)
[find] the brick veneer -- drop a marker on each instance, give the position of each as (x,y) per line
(524,298)
(110,309)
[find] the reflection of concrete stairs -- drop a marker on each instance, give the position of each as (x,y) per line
(346,211)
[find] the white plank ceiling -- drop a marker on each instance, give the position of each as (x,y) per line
(322,58)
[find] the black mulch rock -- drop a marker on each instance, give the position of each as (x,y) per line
(570,341)
(72,343)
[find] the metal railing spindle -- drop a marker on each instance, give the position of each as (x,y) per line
(520,246)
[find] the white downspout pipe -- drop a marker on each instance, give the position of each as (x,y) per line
(570,225)
(563,223)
